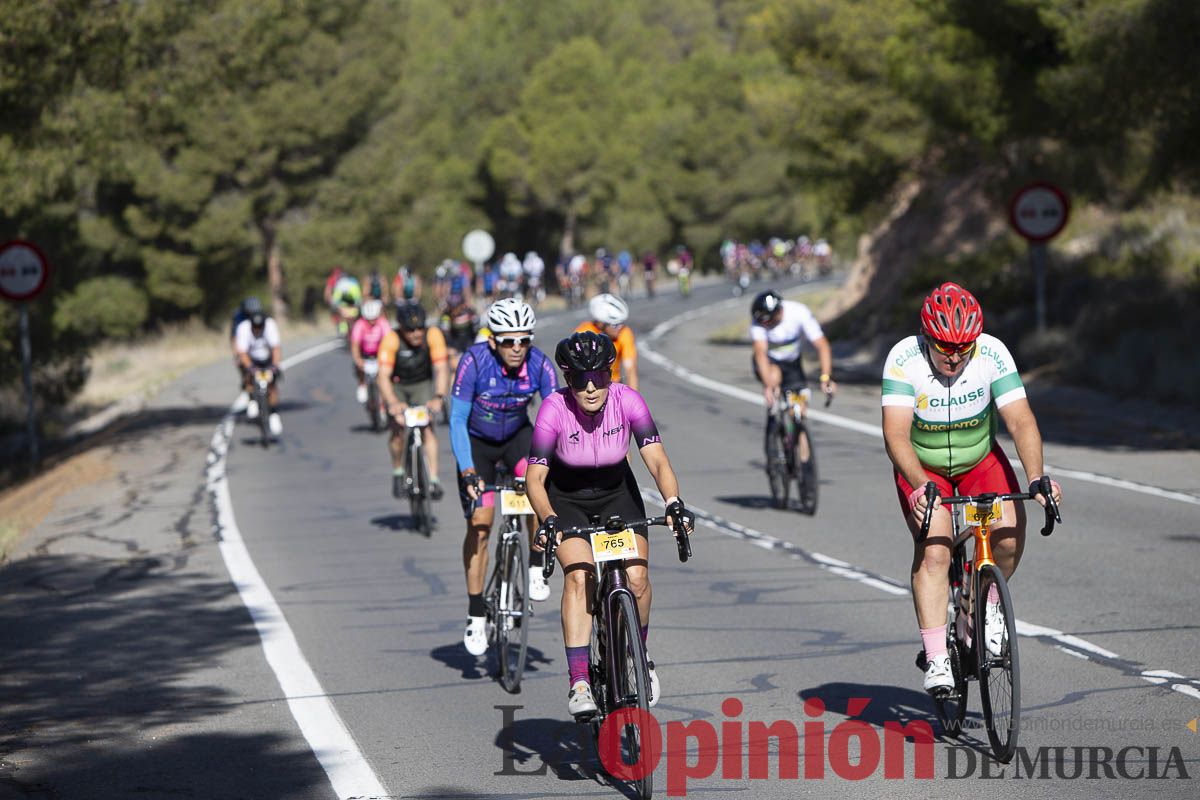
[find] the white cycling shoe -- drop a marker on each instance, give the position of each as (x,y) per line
(252,409)
(993,629)
(242,401)
(655,689)
(275,424)
(360,394)
(580,701)
(539,590)
(939,678)
(475,637)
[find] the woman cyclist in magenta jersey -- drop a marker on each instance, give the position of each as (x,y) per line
(577,468)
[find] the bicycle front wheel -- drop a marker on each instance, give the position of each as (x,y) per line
(512,616)
(806,476)
(631,688)
(999,667)
(777,468)
(422,506)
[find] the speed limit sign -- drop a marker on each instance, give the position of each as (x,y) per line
(1039,211)
(23,270)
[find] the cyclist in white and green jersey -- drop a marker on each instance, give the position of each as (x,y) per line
(942,392)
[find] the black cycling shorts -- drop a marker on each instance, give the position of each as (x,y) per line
(793,373)
(575,506)
(487,455)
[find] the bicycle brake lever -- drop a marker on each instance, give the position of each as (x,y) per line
(1046,489)
(930,493)
(683,543)
(548,554)
(828,399)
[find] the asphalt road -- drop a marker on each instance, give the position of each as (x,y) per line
(137,666)
(378,610)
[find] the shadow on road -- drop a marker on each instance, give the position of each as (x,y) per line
(101,652)
(400,522)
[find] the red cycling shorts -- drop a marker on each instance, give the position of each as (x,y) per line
(993,474)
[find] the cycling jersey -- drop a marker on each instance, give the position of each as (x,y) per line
(408,364)
(375,285)
(577,440)
(954,421)
(347,291)
(489,403)
(786,340)
(259,346)
(626,347)
(404,284)
(368,335)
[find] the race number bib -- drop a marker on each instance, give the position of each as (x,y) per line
(416,416)
(975,515)
(613,546)
(514,503)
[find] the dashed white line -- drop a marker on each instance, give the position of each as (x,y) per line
(326,733)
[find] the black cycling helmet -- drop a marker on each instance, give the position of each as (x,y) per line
(251,305)
(258,319)
(581,352)
(410,316)
(765,305)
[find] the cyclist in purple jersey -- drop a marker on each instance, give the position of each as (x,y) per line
(577,468)
(489,422)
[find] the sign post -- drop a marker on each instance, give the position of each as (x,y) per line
(478,246)
(23,274)
(1039,212)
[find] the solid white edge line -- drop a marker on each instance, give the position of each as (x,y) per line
(321,725)
(844,569)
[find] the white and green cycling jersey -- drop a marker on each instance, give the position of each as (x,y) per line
(954,422)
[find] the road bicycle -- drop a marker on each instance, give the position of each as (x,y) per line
(374,410)
(971,578)
(262,378)
(617,665)
(506,596)
(416,468)
(786,430)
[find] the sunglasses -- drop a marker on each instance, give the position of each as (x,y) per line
(600,378)
(950,349)
(513,341)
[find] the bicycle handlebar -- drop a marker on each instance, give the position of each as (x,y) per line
(614,524)
(1043,488)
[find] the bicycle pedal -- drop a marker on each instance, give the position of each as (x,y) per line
(586,716)
(942,693)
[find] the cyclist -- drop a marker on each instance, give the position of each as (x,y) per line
(258,346)
(345,298)
(534,268)
(649,271)
(942,390)
(459,324)
(248,306)
(578,468)
(489,422)
(368,331)
(375,286)
(778,333)
(609,314)
(412,372)
(406,285)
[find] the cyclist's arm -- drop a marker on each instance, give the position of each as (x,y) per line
(463,396)
(655,456)
(535,487)
(764,371)
(1022,426)
(629,360)
(897,433)
(825,358)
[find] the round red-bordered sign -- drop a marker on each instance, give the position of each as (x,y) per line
(1039,211)
(24,270)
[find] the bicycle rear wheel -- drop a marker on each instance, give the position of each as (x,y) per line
(512,615)
(806,475)
(631,688)
(999,673)
(264,428)
(373,414)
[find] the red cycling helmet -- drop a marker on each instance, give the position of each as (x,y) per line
(951,314)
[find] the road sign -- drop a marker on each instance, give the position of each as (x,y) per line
(1039,211)
(478,246)
(23,270)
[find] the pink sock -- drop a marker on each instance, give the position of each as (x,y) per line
(993,594)
(935,641)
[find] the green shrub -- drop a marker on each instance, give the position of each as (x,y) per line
(107,307)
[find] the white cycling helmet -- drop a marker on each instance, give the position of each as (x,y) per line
(371,310)
(609,309)
(510,314)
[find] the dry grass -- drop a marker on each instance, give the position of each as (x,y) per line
(145,366)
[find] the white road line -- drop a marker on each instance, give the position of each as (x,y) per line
(755,398)
(326,733)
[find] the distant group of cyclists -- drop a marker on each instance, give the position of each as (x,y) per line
(801,257)
(943,392)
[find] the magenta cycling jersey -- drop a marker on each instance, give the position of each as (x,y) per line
(576,440)
(368,335)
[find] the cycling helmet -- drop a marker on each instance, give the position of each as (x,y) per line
(258,319)
(409,316)
(951,314)
(581,352)
(765,305)
(251,305)
(371,310)
(608,309)
(510,314)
